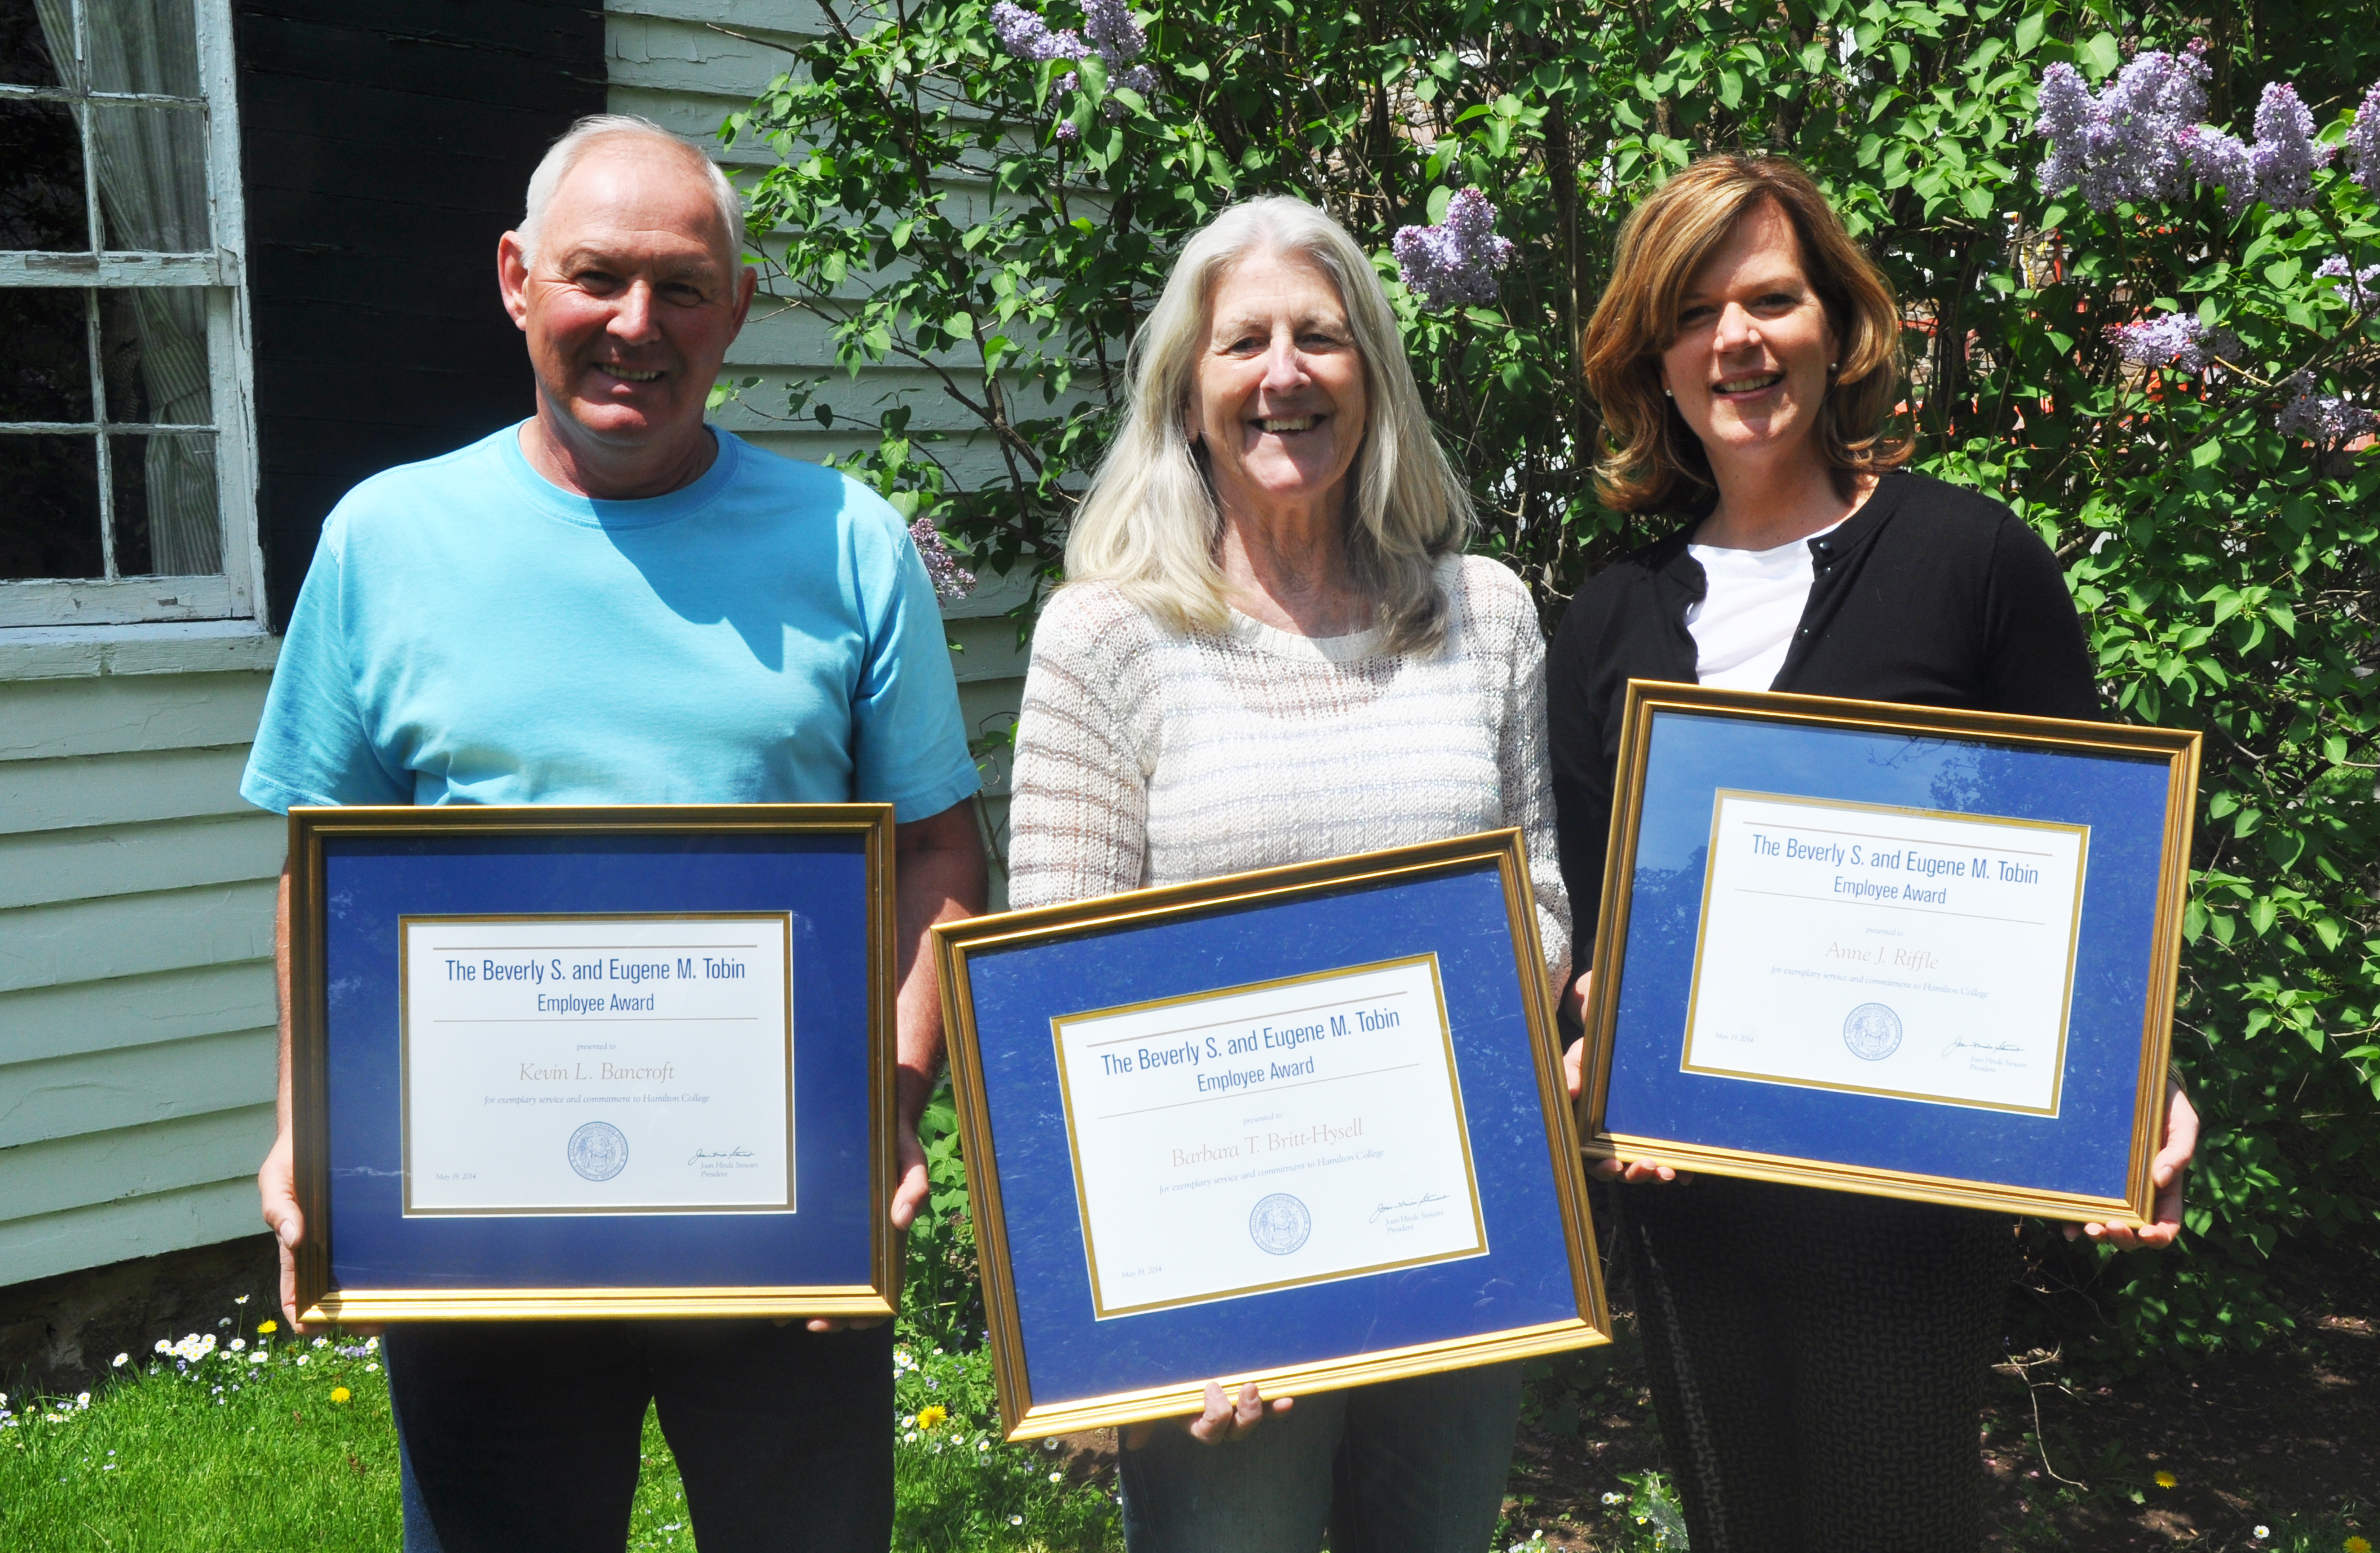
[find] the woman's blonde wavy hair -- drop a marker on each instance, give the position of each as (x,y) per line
(1652,460)
(1150,523)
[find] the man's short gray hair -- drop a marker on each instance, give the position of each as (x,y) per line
(582,138)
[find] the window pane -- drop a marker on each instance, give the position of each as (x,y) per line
(24,52)
(165,512)
(152,176)
(49,526)
(46,361)
(41,179)
(153,349)
(143,45)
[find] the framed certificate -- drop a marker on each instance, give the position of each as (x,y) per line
(1888,949)
(568,1061)
(1305,1127)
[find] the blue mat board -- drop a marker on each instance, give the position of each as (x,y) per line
(1524,1279)
(370,883)
(2085,1148)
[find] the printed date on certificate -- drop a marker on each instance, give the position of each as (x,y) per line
(1268,1135)
(1907,952)
(558,1064)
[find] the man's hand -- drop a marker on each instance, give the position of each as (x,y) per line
(1226,1418)
(276,1183)
(2168,1169)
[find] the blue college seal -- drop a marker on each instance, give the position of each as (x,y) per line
(1280,1224)
(598,1151)
(1873,1032)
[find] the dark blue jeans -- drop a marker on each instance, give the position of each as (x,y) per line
(1406,1466)
(522,1437)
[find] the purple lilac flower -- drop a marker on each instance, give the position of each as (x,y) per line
(1456,261)
(2123,143)
(1109,30)
(1027,36)
(2352,283)
(2278,169)
(2326,418)
(2363,142)
(1109,27)
(2223,161)
(2176,338)
(2285,151)
(952,581)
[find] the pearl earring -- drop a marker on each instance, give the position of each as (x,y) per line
(1666,394)
(1834,366)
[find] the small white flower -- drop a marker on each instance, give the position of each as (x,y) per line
(301,1359)
(2263,1532)
(1057,1477)
(371,1369)
(225,1322)
(238,1343)
(1016,1520)
(108,1466)
(259,1358)
(983,1445)
(120,1361)
(239,1299)
(82,1398)
(164,1347)
(322,1342)
(1615,1499)
(1050,1444)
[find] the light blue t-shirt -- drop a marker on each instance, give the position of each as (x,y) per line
(470,633)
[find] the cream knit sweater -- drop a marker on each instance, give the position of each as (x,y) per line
(1145,756)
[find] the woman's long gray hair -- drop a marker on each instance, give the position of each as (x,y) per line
(1150,523)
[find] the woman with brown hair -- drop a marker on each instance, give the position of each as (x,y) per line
(1817,1357)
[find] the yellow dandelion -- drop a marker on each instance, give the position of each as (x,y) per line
(340,1394)
(268,1326)
(2166,1480)
(929,1417)
(2357,1545)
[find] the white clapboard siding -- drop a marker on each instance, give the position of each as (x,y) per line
(136,889)
(136,940)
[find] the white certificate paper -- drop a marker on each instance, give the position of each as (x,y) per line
(597,1065)
(1885,951)
(1268,1135)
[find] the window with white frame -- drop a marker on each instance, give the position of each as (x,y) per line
(127,490)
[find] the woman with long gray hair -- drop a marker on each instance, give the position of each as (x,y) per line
(1265,591)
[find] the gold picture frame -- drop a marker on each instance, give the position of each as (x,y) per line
(1647,700)
(1024,1417)
(315,831)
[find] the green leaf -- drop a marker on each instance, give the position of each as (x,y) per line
(2100,55)
(2205,453)
(2029,28)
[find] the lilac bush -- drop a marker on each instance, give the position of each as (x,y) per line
(2363,142)
(952,581)
(2278,169)
(1454,262)
(2327,418)
(2177,339)
(1109,30)
(2126,142)
(2350,282)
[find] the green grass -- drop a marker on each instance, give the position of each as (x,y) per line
(207,1451)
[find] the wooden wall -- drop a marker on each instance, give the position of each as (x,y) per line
(386,148)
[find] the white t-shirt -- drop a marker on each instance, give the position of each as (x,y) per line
(1751,602)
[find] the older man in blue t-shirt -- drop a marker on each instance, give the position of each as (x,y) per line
(613,602)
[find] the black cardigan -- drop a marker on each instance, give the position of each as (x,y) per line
(1930,594)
